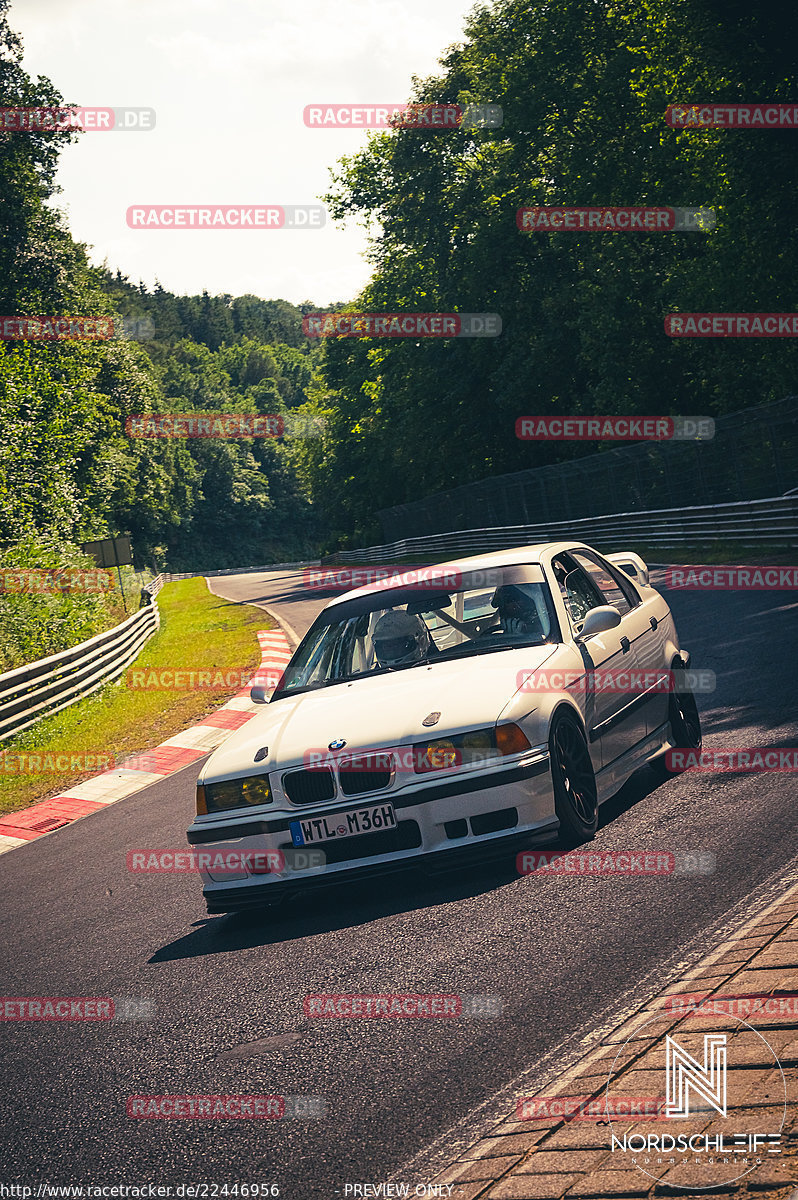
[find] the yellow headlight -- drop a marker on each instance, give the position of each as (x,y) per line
(237,793)
(441,754)
(256,790)
(220,796)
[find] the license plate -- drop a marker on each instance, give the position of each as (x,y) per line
(346,824)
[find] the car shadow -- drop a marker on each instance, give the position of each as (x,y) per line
(644,781)
(342,905)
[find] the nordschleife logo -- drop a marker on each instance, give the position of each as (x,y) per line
(684,1074)
(717,1099)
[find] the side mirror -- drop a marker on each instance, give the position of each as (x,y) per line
(599,620)
(258,695)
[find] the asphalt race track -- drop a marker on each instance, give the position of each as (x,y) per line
(562,953)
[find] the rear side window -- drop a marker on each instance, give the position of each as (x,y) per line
(613,587)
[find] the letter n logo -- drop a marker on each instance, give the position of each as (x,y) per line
(684,1072)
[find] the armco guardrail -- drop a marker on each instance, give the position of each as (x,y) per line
(152,588)
(772,521)
(45,687)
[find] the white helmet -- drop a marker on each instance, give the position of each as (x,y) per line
(400,637)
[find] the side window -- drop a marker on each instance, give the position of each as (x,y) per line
(577,589)
(619,594)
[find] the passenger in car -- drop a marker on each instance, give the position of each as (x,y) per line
(517,611)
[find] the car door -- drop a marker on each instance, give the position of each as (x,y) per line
(614,724)
(648,697)
(643,621)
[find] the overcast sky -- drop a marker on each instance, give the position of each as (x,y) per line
(229,80)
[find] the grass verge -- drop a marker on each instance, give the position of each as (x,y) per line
(199,632)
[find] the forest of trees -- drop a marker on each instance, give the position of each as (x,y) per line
(584,85)
(68,471)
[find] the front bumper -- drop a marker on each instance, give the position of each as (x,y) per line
(463,817)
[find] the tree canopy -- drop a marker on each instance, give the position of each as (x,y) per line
(584,86)
(69,472)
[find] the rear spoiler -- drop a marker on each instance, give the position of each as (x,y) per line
(632,564)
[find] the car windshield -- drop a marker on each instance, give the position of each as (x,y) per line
(399,628)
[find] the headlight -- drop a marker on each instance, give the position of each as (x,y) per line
(233,793)
(478,739)
(474,748)
(439,755)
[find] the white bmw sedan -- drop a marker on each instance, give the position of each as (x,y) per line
(447,713)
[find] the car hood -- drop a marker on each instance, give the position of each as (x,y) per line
(378,712)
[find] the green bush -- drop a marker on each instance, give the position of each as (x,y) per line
(35,623)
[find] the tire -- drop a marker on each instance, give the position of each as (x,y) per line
(573,780)
(685,727)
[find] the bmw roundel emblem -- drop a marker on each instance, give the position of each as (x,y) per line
(337,744)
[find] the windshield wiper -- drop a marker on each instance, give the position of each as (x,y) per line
(475,648)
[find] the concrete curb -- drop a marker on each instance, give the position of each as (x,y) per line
(139,771)
(550,1156)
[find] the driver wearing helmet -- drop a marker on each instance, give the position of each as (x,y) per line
(400,638)
(517,611)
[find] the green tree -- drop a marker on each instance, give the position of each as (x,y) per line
(584,88)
